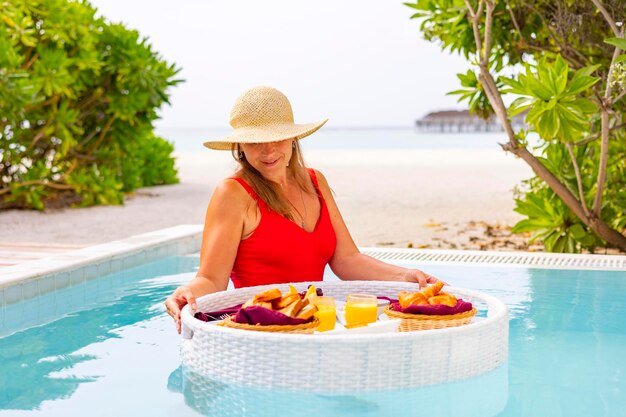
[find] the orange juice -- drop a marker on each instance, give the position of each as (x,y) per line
(327,316)
(325,313)
(361,309)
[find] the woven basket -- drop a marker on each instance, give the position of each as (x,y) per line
(414,322)
(343,362)
(305,328)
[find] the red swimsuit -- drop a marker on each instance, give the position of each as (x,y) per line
(279,251)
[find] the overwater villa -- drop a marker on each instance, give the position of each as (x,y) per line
(463,121)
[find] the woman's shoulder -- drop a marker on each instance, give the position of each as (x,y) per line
(321,179)
(231,191)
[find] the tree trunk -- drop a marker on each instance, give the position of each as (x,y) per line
(596,224)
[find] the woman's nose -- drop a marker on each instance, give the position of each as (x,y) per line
(268,147)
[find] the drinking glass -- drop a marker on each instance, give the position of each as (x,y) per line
(361,309)
(326,313)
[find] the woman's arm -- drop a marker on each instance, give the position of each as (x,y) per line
(350,264)
(223,228)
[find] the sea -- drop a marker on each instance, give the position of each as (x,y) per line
(391,138)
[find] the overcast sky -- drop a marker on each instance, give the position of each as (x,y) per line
(359,63)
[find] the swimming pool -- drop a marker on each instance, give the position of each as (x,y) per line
(105,347)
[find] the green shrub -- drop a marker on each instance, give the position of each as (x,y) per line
(78,98)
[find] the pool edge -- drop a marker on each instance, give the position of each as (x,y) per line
(30,279)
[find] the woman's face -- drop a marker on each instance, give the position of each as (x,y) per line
(271,158)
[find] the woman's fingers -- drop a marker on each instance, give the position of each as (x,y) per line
(177,320)
(422,278)
(176,301)
(171,306)
(431,280)
(191,300)
(184,295)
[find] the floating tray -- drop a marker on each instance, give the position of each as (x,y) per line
(345,362)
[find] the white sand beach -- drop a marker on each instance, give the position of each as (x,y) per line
(437,198)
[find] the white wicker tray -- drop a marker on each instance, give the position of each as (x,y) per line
(344,362)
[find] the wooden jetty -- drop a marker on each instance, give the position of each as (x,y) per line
(461,121)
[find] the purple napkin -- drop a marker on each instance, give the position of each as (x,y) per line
(265,317)
(435,310)
(217,315)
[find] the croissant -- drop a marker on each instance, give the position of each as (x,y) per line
(411,298)
(430,295)
(432,290)
(443,298)
(290,304)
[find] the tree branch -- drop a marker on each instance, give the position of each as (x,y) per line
(607,17)
(88,138)
(27,64)
(488,27)
(474,17)
(37,182)
(579,182)
(619,97)
(485,77)
(604,132)
(604,157)
(103,132)
(539,48)
(31,107)
(609,77)
(591,138)
(513,19)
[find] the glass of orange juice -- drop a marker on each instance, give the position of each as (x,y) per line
(361,309)
(326,313)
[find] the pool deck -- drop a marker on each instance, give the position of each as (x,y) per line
(12,253)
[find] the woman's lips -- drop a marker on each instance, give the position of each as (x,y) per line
(269,163)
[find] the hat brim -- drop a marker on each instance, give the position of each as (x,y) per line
(274,132)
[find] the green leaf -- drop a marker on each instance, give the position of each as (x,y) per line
(619,42)
(519,105)
(458,92)
(570,131)
(561,69)
(577,231)
(538,89)
(548,124)
(588,70)
(535,113)
(559,244)
(581,82)
(516,86)
(584,106)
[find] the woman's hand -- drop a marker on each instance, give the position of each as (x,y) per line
(175,302)
(419,277)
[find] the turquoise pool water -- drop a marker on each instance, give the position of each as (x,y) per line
(106,348)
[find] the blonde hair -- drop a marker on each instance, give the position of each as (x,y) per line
(269,191)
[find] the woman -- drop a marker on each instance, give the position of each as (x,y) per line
(275,221)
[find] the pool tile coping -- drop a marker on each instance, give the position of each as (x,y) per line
(541,260)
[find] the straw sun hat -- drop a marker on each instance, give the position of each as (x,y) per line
(263,114)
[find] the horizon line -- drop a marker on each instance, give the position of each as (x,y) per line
(364,127)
